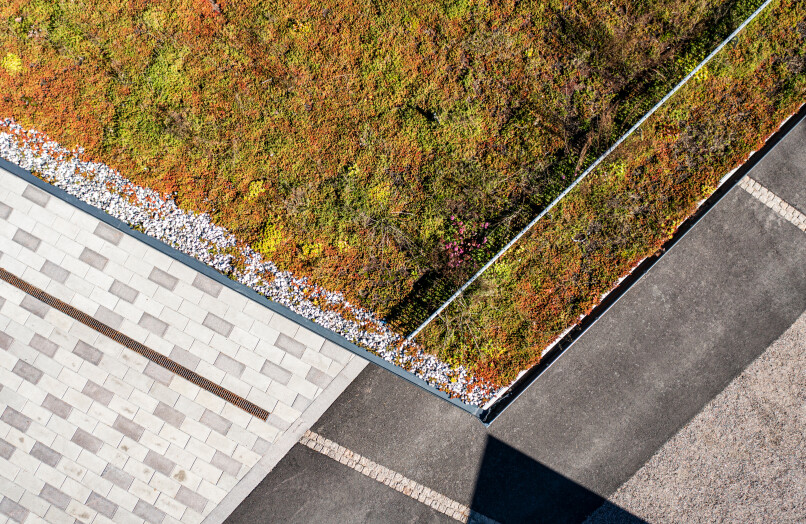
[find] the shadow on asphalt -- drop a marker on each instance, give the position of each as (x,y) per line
(512,487)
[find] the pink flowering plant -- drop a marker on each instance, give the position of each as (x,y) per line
(466,242)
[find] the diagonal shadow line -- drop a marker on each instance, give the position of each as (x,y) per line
(513,487)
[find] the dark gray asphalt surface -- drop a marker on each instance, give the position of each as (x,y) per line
(783,172)
(310,487)
(673,342)
(703,313)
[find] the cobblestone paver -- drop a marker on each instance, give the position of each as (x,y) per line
(92,431)
(393,479)
(771,200)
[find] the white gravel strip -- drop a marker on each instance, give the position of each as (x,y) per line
(196,235)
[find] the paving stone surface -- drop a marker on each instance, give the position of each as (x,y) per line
(91,431)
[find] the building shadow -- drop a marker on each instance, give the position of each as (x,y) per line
(512,487)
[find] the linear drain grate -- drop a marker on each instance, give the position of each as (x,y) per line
(122,339)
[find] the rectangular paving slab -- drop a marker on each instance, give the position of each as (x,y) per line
(98,427)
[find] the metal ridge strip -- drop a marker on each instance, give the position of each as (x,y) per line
(587,171)
(236,286)
(132,344)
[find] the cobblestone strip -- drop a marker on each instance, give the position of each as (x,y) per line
(394,480)
(772,201)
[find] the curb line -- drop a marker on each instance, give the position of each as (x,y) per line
(244,290)
(557,348)
(283,445)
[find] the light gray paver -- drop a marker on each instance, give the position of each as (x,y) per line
(276,372)
(27,371)
(87,441)
(159,463)
(169,414)
(153,324)
(26,239)
(55,272)
(209,286)
(45,454)
(57,406)
(334,352)
(102,505)
(162,278)
(185,358)
(36,195)
(13,510)
(93,258)
(97,392)
(108,317)
(148,512)
(215,422)
(301,403)
(5,340)
(121,290)
(87,352)
(56,497)
(229,365)
(117,476)
(129,428)
(43,345)
(176,450)
(290,345)
(6,449)
(278,422)
(34,306)
(218,324)
(158,373)
(317,377)
(226,464)
(15,419)
(108,233)
(191,499)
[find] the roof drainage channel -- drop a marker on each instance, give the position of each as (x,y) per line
(132,344)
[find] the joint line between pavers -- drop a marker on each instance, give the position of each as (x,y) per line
(774,202)
(394,480)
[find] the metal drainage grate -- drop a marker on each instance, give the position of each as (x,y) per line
(122,339)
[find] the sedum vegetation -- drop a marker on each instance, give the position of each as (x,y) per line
(629,206)
(387,149)
(384,149)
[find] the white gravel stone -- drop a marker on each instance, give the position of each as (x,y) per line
(196,235)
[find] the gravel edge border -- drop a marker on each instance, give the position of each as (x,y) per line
(25,159)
